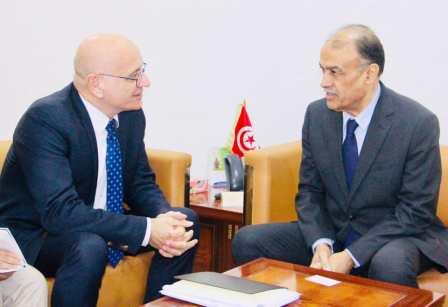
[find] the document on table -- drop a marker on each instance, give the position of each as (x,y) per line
(7,242)
(203,292)
(323,280)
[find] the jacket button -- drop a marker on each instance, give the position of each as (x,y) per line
(351,217)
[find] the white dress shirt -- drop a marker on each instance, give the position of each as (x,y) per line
(363,120)
(99,122)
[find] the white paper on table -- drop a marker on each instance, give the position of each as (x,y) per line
(211,296)
(323,280)
(7,242)
(232,199)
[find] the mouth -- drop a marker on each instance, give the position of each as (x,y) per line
(330,95)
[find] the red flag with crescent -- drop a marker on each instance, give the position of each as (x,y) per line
(244,139)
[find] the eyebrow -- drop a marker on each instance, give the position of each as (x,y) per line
(335,67)
(135,71)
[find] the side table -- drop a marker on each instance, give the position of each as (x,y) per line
(218,227)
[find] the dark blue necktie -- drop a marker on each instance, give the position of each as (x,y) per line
(114,183)
(350,157)
(350,152)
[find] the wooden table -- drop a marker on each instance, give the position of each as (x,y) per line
(352,291)
(218,227)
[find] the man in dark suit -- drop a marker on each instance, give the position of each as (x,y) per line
(369,178)
(76,156)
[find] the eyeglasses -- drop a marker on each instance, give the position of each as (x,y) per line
(139,75)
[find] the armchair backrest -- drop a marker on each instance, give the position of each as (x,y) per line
(172,171)
(271,184)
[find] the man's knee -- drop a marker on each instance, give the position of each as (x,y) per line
(26,287)
(89,250)
(243,245)
(243,238)
(396,262)
(36,280)
(37,285)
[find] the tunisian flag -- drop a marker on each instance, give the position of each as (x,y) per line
(244,138)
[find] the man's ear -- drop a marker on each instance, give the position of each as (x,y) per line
(95,86)
(373,73)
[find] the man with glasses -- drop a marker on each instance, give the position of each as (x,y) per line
(76,156)
(369,177)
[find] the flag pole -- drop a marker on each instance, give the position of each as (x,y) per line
(231,138)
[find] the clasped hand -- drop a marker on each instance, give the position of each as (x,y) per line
(169,235)
(325,259)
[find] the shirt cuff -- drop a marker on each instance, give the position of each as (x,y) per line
(327,241)
(148,232)
(357,265)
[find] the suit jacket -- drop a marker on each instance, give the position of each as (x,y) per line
(49,178)
(395,187)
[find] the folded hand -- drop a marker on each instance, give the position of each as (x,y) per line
(321,258)
(341,262)
(169,235)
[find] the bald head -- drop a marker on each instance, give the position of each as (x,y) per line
(104,53)
(365,41)
(110,73)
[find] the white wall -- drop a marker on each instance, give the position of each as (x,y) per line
(208,55)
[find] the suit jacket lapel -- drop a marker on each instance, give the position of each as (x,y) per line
(333,134)
(84,117)
(376,134)
(122,138)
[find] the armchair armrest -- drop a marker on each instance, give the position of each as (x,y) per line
(271,183)
(4,147)
(442,208)
(172,171)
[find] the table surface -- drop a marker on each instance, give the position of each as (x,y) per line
(215,211)
(352,291)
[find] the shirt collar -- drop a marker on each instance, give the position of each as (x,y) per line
(99,119)
(363,118)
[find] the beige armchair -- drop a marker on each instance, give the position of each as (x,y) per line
(271,183)
(125,285)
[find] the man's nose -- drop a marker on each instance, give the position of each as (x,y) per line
(326,81)
(146,82)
